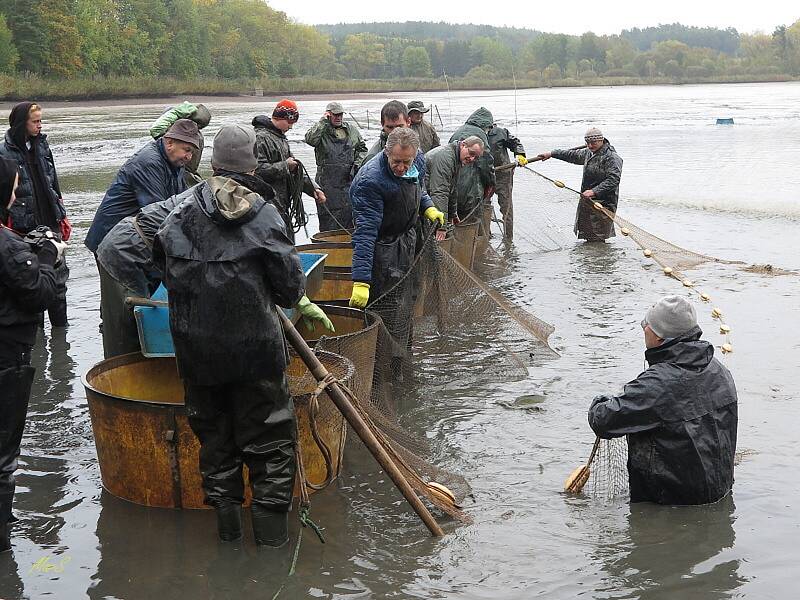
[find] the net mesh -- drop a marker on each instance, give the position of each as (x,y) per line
(440,308)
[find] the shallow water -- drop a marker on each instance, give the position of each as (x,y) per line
(725,191)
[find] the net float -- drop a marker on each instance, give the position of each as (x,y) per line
(724,329)
(687,282)
(716,313)
(647,252)
(705,297)
(559,183)
(667,270)
(625,231)
(598,206)
(726,348)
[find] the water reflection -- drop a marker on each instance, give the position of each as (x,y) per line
(678,552)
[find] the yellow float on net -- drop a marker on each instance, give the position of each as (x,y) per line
(705,297)
(648,253)
(598,206)
(687,282)
(724,329)
(559,183)
(625,231)
(667,270)
(727,348)
(716,313)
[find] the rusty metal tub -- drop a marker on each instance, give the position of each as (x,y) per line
(147,452)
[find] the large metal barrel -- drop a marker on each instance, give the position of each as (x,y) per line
(337,286)
(356,339)
(463,245)
(147,452)
(339,255)
(344,236)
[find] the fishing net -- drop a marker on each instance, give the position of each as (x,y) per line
(609,474)
(440,311)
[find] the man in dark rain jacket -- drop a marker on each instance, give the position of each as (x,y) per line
(680,415)
(477,182)
(27,287)
(227,262)
(39,199)
(602,171)
(394,114)
(339,151)
(500,142)
(154,173)
(278,166)
(186,110)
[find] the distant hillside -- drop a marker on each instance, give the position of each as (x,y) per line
(422,30)
(723,40)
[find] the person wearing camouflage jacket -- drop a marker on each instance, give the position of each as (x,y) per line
(428,138)
(500,142)
(602,171)
(477,182)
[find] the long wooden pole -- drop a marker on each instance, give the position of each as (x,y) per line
(358,424)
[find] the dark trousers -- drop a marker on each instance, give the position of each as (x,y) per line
(248,423)
(504,190)
(16,377)
(120,335)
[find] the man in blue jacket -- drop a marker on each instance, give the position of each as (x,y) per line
(154,173)
(388,198)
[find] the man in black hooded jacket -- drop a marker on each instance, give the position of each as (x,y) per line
(227,262)
(680,415)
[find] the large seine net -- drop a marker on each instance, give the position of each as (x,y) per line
(440,310)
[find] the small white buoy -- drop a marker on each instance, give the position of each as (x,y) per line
(625,231)
(727,348)
(724,329)
(667,270)
(687,283)
(716,313)
(647,252)
(705,297)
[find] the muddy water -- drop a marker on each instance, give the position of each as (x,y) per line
(726,191)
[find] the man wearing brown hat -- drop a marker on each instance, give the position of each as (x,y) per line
(428,138)
(198,113)
(154,173)
(339,150)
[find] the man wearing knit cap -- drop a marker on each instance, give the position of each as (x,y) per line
(339,150)
(602,171)
(680,415)
(279,168)
(227,262)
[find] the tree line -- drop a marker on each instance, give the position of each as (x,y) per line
(246,39)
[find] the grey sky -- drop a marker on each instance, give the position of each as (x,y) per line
(571,16)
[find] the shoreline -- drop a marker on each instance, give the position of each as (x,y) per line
(342,89)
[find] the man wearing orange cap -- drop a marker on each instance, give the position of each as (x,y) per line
(279,168)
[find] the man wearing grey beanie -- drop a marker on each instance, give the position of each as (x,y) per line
(680,415)
(227,262)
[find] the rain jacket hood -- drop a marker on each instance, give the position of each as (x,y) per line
(230,201)
(481,118)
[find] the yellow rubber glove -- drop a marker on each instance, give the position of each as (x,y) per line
(360,295)
(434,215)
(311,313)
(521,160)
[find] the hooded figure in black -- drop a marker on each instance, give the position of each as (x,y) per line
(680,415)
(27,287)
(38,195)
(227,262)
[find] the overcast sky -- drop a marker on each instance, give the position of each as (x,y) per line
(567,16)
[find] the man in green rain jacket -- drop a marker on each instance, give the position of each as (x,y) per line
(475,182)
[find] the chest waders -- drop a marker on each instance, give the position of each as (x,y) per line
(334,176)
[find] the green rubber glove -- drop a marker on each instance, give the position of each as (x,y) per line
(311,313)
(435,215)
(360,295)
(521,160)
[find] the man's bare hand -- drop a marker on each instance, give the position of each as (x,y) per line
(292,164)
(319,196)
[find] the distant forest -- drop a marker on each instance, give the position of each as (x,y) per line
(221,44)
